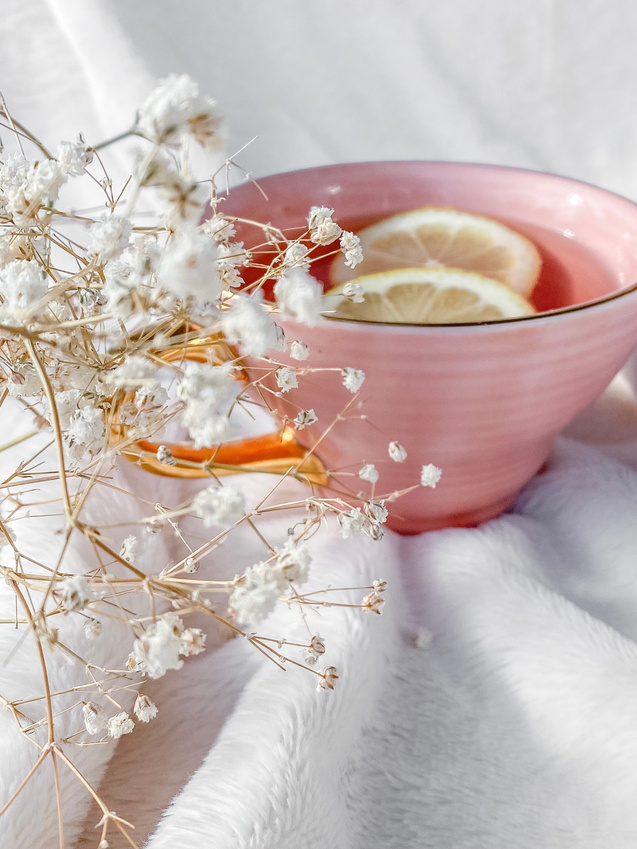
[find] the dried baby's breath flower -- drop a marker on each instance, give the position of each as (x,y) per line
(202,389)
(108,238)
(95,720)
(161,646)
(76,593)
(299,350)
(323,230)
(26,187)
(256,593)
(165,456)
(133,372)
(184,199)
(294,561)
(299,296)
(128,551)
(379,585)
(327,678)
(92,628)
(353,378)
(376,512)
(85,432)
(351,522)
(351,248)
(122,287)
(286,379)
(120,724)
(176,107)
(220,228)
(430,475)
(315,648)
(397,452)
(220,505)
(22,284)
(354,292)
(368,472)
(94,310)
(188,267)
(230,256)
(190,565)
(295,255)
(74,157)
(373,603)
(193,641)
(144,709)
(247,324)
(24,381)
(304,419)
(7,537)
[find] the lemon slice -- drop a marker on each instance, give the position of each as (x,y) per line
(432,238)
(427,296)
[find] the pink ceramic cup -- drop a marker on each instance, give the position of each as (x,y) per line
(483,402)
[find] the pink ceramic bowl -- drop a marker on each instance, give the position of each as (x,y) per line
(484,402)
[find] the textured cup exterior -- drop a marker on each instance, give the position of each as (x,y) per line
(482,402)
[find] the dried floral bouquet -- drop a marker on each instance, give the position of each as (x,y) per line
(100,311)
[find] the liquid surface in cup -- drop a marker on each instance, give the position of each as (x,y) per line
(571,272)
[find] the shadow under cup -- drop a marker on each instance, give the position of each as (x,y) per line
(483,402)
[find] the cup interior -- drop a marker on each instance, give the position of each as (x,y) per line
(587,236)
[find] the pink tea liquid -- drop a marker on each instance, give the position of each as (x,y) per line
(571,272)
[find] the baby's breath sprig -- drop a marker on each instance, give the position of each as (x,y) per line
(96,310)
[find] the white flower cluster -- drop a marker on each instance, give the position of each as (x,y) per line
(108,238)
(203,388)
(258,590)
(188,267)
(163,644)
(368,472)
(248,325)
(323,229)
(299,296)
(353,378)
(397,452)
(128,550)
(299,350)
(220,505)
(85,433)
(230,256)
(76,593)
(430,475)
(296,254)
(351,247)
(128,279)
(144,709)
(369,520)
(22,285)
(304,419)
(26,187)
(74,157)
(175,107)
(354,292)
(286,379)
(133,372)
(119,725)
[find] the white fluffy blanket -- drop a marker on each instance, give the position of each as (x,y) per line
(491,705)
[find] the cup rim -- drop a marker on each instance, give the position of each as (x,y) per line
(539,316)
